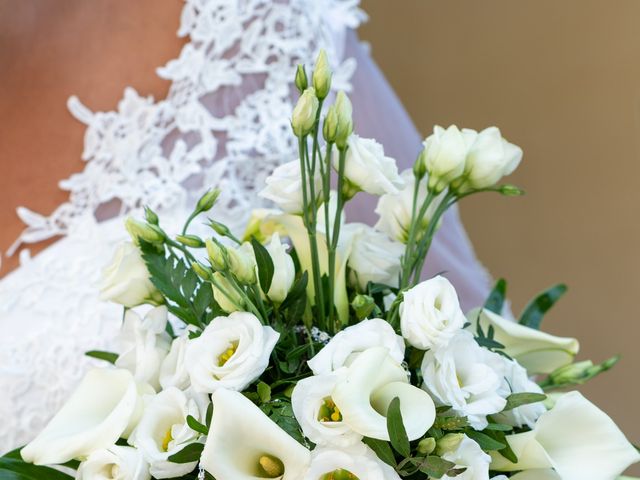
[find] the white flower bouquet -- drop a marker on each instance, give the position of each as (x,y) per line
(329,358)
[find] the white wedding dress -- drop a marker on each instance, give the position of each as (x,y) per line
(225,122)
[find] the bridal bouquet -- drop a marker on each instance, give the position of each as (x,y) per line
(311,348)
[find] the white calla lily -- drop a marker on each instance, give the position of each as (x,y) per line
(537,351)
(244,444)
(576,439)
(355,339)
(102,409)
(374,379)
(537,474)
(357,462)
(114,463)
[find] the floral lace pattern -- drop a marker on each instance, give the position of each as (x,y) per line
(224,123)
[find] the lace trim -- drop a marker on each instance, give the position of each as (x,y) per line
(224,122)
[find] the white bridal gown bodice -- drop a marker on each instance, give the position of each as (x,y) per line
(224,123)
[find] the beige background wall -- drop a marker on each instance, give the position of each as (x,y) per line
(562,80)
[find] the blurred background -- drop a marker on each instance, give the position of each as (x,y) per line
(562,80)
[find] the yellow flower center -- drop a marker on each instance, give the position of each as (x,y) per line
(270,466)
(339,474)
(166,440)
(228,353)
(329,411)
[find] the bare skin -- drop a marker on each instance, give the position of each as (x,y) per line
(50,50)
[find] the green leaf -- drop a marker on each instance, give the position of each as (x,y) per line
(264,392)
(382,449)
(435,467)
(100,355)
(265,265)
(536,309)
(299,289)
(501,427)
(484,440)
(196,426)
(17,469)
(209,415)
(190,453)
(496,298)
(395,427)
(451,423)
(516,400)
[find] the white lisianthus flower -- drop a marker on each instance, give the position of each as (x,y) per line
(372,381)
(284,187)
(144,344)
(105,406)
(490,157)
(230,353)
(163,430)
(284,269)
(575,438)
(467,377)
(536,351)
(444,156)
(317,414)
(516,380)
(244,444)
(173,370)
(470,456)
(374,256)
(356,339)
(396,210)
(367,167)
(430,314)
(115,462)
(358,460)
(126,279)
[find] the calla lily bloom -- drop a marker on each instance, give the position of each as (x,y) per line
(374,379)
(244,444)
(103,408)
(576,439)
(537,351)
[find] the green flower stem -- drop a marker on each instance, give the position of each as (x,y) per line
(326,189)
(336,237)
(244,296)
(193,215)
(408,261)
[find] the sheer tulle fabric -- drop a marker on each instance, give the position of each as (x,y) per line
(226,123)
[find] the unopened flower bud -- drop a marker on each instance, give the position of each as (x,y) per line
(217,254)
(322,76)
(151,216)
(143,231)
(571,373)
(345,119)
(449,443)
(242,263)
(363,306)
(202,271)
(419,167)
(301,78)
(511,191)
(427,446)
(225,294)
(190,241)
(208,200)
(304,113)
(330,126)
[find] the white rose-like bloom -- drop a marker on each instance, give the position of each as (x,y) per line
(356,339)
(430,314)
(395,210)
(359,460)
(284,187)
(467,377)
(114,463)
(374,256)
(536,351)
(163,430)
(367,167)
(230,353)
(469,455)
(576,439)
(284,270)
(173,370)
(516,380)
(242,439)
(444,156)
(489,158)
(309,397)
(144,344)
(126,279)
(372,381)
(104,407)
